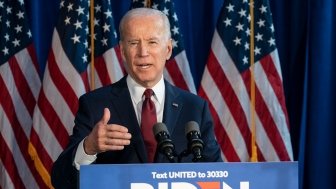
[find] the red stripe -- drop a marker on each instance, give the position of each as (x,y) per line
(230,98)
(176,74)
(41,151)
(63,86)
(85,79)
(102,73)
(120,61)
(22,85)
(54,122)
(221,135)
(19,134)
(266,120)
(32,53)
(275,81)
(9,164)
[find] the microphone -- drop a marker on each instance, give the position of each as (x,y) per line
(164,143)
(195,143)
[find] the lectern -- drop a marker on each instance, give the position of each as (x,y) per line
(267,175)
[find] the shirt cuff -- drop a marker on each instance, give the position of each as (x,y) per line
(81,158)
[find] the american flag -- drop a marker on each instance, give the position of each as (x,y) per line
(66,76)
(19,85)
(177,69)
(226,85)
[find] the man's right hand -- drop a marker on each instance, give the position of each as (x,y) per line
(105,137)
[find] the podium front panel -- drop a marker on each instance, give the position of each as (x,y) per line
(267,175)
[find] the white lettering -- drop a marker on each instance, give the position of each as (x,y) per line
(244,185)
(184,185)
(185,174)
(141,186)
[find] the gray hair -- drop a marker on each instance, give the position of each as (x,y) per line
(144,12)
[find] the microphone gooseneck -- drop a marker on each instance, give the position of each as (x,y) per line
(164,143)
(195,143)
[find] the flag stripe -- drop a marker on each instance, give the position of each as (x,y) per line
(233,105)
(76,83)
(114,64)
(23,87)
(14,130)
(221,134)
(275,80)
(9,168)
(226,117)
(56,129)
(25,59)
(175,74)
(101,71)
(42,153)
(5,180)
(62,84)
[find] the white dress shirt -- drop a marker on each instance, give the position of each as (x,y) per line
(136,91)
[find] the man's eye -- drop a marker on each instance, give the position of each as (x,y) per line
(153,42)
(132,43)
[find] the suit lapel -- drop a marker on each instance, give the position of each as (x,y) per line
(172,107)
(126,112)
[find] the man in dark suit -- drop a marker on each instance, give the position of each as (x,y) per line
(109,121)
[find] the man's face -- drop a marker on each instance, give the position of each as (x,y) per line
(145,49)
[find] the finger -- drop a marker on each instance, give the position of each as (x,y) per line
(117,128)
(117,142)
(106,116)
(118,135)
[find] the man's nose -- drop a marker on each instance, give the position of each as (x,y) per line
(143,49)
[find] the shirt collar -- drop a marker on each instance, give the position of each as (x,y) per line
(137,90)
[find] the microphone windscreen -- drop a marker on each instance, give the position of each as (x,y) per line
(191,126)
(159,127)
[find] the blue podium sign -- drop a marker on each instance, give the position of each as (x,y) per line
(270,175)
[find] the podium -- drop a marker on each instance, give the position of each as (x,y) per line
(221,175)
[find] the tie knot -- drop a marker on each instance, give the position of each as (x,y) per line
(148,93)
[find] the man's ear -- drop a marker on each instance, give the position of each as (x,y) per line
(122,51)
(169,48)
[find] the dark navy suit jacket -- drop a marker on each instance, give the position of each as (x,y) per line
(179,108)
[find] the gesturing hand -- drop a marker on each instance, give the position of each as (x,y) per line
(105,137)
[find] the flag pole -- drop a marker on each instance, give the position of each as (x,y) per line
(92,65)
(254,154)
(148,3)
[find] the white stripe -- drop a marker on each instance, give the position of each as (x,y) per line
(167,76)
(5,180)
(9,137)
(98,82)
(26,64)
(275,109)
(48,138)
(57,102)
(20,109)
(225,116)
(113,67)
(276,60)
(183,64)
(66,67)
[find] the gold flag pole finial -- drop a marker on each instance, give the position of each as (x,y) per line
(254,154)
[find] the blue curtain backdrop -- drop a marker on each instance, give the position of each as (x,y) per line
(305,33)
